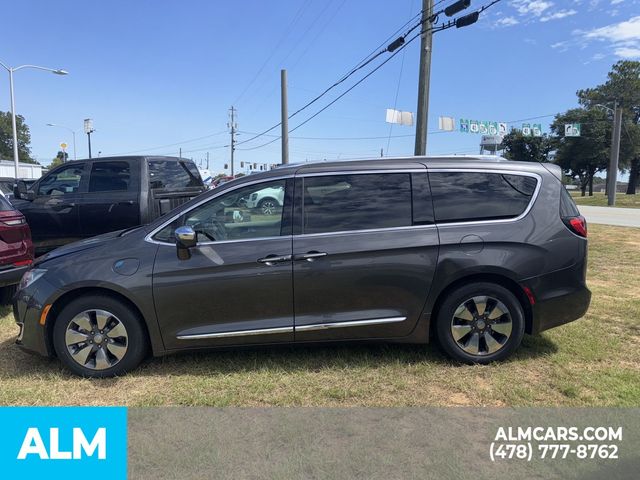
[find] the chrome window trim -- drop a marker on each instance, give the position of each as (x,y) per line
(353,323)
(361,172)
(149,236)
(427,170)
(302,328)
(526,211)
(369,230)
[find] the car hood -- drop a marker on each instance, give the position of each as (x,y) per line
(80,246)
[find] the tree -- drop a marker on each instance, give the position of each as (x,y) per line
(6,138)
(584,156)
(622,85)
(61,158)
(527,148)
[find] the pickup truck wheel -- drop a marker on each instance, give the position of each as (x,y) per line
(480,323)
(99,336)
(268,206)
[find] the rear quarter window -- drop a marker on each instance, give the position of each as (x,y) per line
(173,175)
(567,205)
(478,196)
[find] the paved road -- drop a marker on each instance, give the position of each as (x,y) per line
(624,217)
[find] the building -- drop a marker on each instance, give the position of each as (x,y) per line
(26,170)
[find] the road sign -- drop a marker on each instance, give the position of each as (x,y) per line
(63,146)
(502,128)
(572,130)
(474,126)
(88,125)
(464,126)
(536,129)
(526,129)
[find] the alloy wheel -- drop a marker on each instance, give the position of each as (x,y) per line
(481,325)
(268,207)
(96,339)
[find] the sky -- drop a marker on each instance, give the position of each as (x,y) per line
(159,76)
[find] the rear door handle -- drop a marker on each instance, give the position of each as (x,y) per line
(271,260)
(310,256)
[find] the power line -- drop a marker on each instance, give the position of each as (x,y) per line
(288,29)
(171,144)
(394,48)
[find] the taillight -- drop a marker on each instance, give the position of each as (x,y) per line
(577,225)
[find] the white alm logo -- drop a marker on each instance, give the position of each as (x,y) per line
(33,445)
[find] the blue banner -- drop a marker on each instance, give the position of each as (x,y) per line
(63,442)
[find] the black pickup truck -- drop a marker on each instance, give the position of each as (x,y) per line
(84,198)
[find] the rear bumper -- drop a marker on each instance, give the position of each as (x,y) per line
(12,276)
(560,297)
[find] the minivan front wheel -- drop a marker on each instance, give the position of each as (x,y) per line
(480,323)
(99,336)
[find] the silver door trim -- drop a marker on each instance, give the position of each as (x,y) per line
(353,323)
(236,333)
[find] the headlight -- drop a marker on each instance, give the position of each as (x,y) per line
(31,276)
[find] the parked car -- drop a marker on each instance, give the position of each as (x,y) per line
(473,252)
(6,186)
(268,200)
(16,249)
(85,198)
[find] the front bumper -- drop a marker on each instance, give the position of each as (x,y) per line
(27,309)
(12,276)
(560,297)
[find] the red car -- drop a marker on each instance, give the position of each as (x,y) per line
(16,249)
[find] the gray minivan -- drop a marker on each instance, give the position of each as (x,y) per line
(475,252)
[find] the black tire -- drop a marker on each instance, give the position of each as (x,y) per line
(135,340)
(481,326)
(275,206)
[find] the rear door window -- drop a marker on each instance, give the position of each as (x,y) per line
(356,202)
(477,196)
(110,177)
(173,175)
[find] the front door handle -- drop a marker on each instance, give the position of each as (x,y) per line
(310,256)
(271,260)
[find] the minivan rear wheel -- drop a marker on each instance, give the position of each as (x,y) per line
(99,336)
(480,323)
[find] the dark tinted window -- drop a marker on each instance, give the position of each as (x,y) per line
(567,205)
(469,196)
(173,175)
(422,206)
(356,202)
(65,180)
(109,177)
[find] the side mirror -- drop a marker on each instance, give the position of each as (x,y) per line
(186,238)
(21,191)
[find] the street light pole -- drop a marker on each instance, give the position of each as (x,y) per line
(57,71)
(16,158)
(73,133)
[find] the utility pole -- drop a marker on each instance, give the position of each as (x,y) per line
(285,116)
(612,176)
(233,126)
(424,79)
(207,160)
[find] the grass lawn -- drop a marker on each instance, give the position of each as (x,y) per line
(600,200)
(592,362)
